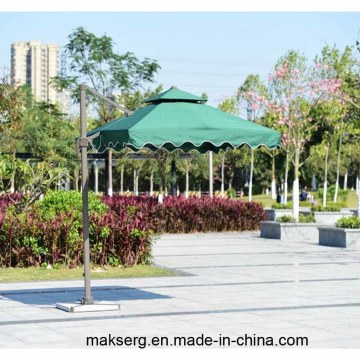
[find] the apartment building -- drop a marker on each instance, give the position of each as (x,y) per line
(34,64)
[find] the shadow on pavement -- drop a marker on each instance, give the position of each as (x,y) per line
(50,296)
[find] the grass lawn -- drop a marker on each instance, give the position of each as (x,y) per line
(352,199)
(267,201)
(37,274)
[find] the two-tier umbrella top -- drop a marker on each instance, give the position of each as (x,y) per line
(176,119)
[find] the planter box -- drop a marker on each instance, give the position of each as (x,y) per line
(339,237)
(354,212)
(272,214)
(289,231)
(330,217)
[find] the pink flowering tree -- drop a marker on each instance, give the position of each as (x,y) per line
(295,89)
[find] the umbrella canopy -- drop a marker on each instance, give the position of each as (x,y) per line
(176,119)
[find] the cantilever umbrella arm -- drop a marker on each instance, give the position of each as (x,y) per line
(82,144)
(106,99)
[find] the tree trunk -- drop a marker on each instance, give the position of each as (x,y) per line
(187,183)
(345,179)
(12,179)
(251,174)
(210,174)
(338,170)
(313,183)
(223,175)
(12,184)
(122,169)
(358,186)
(325,175)
(296,185)
(286,178)
(173,177)
(273,179)
(67,182)
(231,177)
(76,180)
(151,182)
(137,182)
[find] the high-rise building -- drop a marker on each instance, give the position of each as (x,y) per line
(34,64)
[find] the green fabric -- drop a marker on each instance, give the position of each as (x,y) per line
(174,94)
(182,125)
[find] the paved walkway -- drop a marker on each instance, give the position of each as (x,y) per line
(232,284)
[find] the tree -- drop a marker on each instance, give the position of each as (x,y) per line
(185,166)
(47,134)
(12,102)
(231,158)
(200,170)
(343,68)
(36,179)
(134,100)
(93,60)
(254,84)
(295,88)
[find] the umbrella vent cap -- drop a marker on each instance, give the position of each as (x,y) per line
(174,94)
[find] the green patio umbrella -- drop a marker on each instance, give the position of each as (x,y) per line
(171,120)
(176,119)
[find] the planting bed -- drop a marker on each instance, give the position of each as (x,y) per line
(339,237)
(289,231)
(122,229)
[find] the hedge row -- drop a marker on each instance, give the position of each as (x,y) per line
(51,233)
(122,229)
(180,215)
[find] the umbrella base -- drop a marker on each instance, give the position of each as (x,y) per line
(78,307)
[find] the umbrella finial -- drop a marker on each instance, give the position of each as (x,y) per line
(173,87)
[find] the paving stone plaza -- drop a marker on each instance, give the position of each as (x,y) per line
(229,283)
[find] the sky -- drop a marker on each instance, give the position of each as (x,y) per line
(198,52)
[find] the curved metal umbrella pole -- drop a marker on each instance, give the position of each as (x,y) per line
(83,144)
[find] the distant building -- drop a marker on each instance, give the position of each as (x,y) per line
(34,64)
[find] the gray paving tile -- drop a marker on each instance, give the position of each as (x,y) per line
(239,283)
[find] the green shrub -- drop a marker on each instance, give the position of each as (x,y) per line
(306,218)
(302,219)
(231,193)
(289,205)
(305,204)
(50,233)
(285,219)
(352,222)
(56,202)
(331,207)
(282,206)
(121,229)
